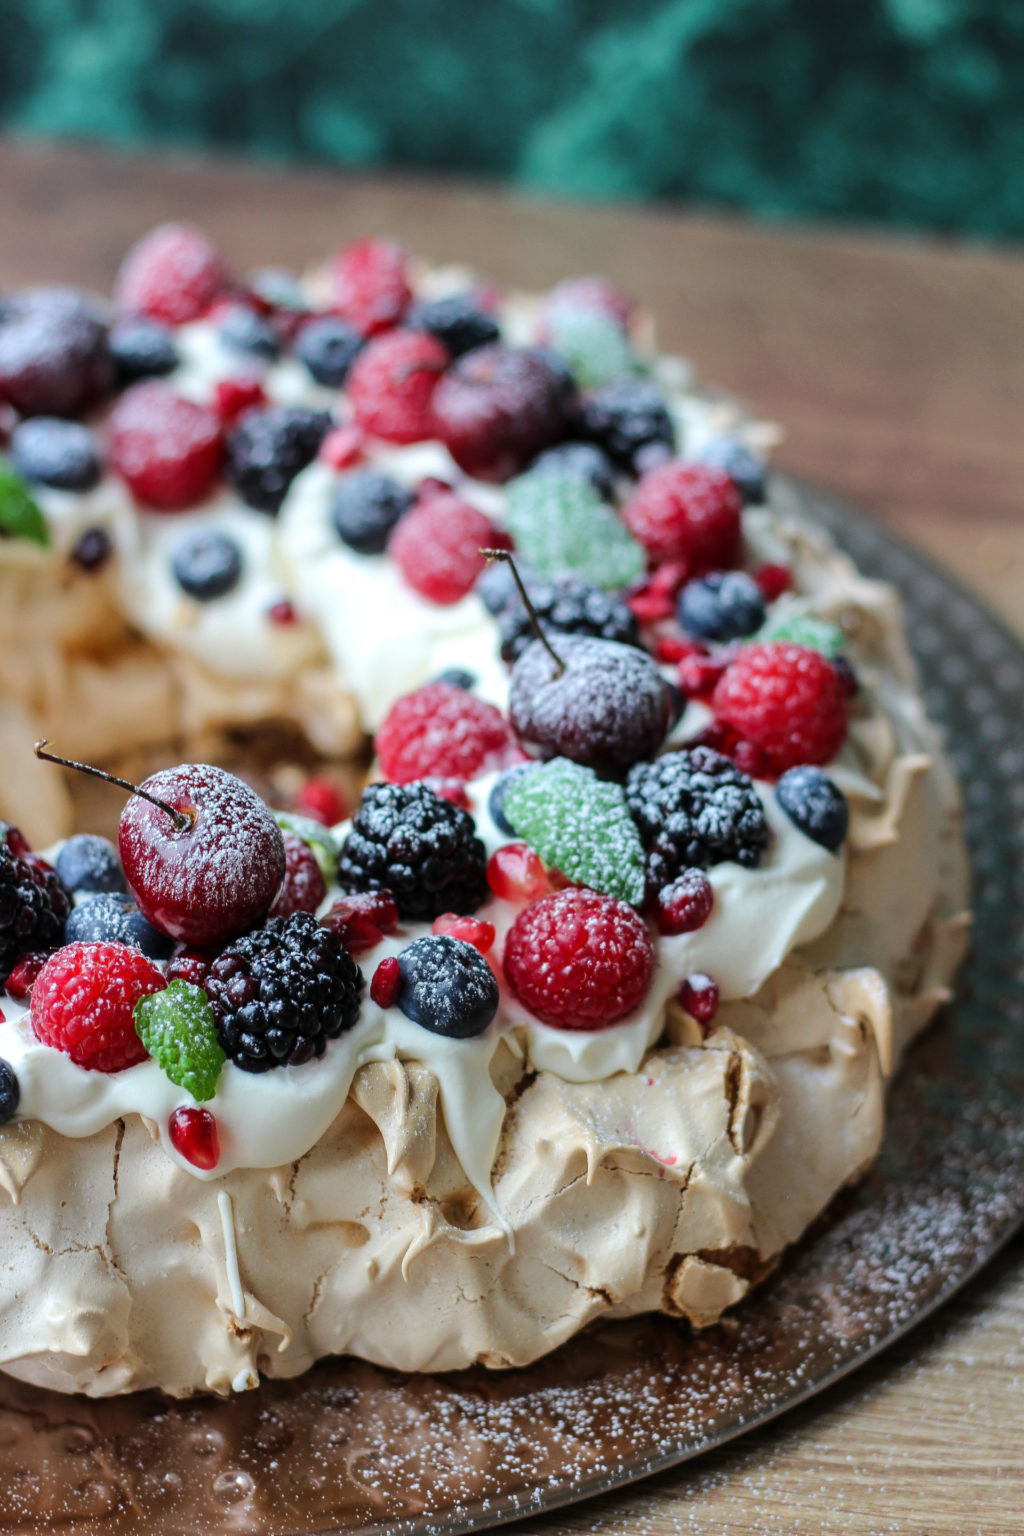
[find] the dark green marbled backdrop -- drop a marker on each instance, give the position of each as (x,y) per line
(904,111)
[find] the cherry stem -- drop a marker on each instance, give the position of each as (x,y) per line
(531,612)
(182,821)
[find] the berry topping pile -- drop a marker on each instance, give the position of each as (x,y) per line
(579,960)
(281,992)
(83,1003)
(788,700)
(447,987)
(695,809)
(407,840)
(442,731)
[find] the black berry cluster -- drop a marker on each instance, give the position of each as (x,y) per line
(408,840)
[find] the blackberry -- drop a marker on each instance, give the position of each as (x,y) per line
(280,993)
(566,606)
(625,418)
(142,349)
(727,605)
(447,987)
(456,320)
(207,564)
(328,347)
(815,805)
(90,863)
(365,507)
(425,850)
(584,460)
(34,908)
(695,809)
(269,448)
(113,918)
(50,451)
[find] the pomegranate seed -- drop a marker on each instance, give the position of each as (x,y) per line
(283,613)
(22,979)
(515,873)
(673,648)
(697,675)
(194,1137)
(322,801)
(232,397)
(649,606)
(386,983)
(433,485)
(699,996)
(362,921)
(773,580)
(472,930)
(16,841)
(342,447)
(686,904)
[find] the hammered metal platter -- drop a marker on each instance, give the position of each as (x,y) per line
(355,1450)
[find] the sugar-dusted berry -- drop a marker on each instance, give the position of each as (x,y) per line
(370,285)
(437,546)
(447,987)
(698,995)
(788,700)
(579,960)
(168,449)
(688,512)
(83,1004)
(497,408)
(685,904)
(407,840)
(392,383)
(304,887)
(441,730)
(172,274)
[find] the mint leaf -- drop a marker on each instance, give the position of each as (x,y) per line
(177,1028)
(20,516)
(803,629)
(316,836)
(561,525)
(579,824)
(594,346)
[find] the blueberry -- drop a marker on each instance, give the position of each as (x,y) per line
(447,987)
(457,321)
(90,863)
(269,448)
(626,418)
(815,805)
(93,550)
(328,347)
(116,919)
(740,463)
(243,330)
(727,605)
(207,565)
(142,349)
(53,452)
(366,507)
(586,461)
(10,1091)
(457,677)
(496,799)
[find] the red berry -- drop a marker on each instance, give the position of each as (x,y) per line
(786,699)
(497,407)
(773,580)
(689,513)
(167,448)
(233,397)
(369,285)
(579,960)
(686,904)
(304,888)
(194,1137)
(361,921)
(190,965)
(15,839)
(437,545)
(83,999)
(472,930)
(698,674)
(24,976)
(208,883)
(751,759)
(283,613)
(452,790)
(342,447)
(391,385)
(593,293)
(386,983)
(322,801)
(673,648)
(699,996)
(656,599)
(515,873)
(54,357)
(441,731)
(432,485)
(172,274)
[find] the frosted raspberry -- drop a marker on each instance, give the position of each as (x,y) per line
(322,801)
(392,384)
(786,699)
(369,285)
(437,545)
(444,732)
(690,513)
(168,449)
(303,889)
(83,1000)
(171,274)
(579,960)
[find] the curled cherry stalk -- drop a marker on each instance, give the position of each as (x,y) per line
(182,820)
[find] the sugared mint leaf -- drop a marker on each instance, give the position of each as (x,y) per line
(20,516)
(561,525)
(315,836)
(177,1028)
(803,629)
(579,824)
(594,346)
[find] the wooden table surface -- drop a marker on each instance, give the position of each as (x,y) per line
(897,369)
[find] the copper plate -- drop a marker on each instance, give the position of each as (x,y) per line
(349,1448)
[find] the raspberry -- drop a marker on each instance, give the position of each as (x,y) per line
(687,512)
(788,700)
(444,732)
(695,809)
(369,285)
(168,449)
(686,904)
(281,992)
(304,888)
(407,840)
(83,1002)
(437,545)
(171,274)
(34,905)
(497,407)
(392,383)
(515,873)
(322,801)
(269,448)
(579,960)
(362,920)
